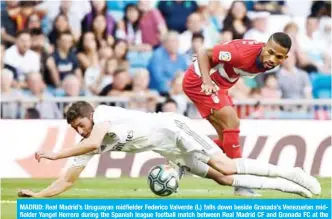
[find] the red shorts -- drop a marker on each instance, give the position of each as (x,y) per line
(205,103)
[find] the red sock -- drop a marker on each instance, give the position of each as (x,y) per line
(218,142)
(231,144)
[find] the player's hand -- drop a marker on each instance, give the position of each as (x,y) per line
(25,193)
(209,87)
(46,155)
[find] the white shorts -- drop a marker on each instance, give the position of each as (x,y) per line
(194,150)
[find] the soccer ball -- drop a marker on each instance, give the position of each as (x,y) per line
(163,180)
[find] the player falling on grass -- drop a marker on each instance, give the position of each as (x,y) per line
(116,129)
(215,70)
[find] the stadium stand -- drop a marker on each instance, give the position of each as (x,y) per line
(133,54)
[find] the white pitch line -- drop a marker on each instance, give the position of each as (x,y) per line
(85,190)
(8,202)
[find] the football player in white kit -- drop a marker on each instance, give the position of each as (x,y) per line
(109,128)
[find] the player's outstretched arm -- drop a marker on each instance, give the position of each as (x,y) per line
(59,186)
(204,58)
(89,144)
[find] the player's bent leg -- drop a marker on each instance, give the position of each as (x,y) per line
(252,182)
(227,123)
(297,175)
(218,141)
(261,182)
(230,166)
(300,177)
(225,120)
(222,164)
(196,163)
(227,166)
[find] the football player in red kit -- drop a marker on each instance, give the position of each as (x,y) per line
(215,70)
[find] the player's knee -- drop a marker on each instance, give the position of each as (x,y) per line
(222,164)
(236,123)
(227,118)
(232,123)
(222,180)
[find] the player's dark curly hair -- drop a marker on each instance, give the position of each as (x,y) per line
(282,39)
(78,109)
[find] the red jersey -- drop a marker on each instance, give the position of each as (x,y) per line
(233,59)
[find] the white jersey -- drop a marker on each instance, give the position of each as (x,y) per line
(168,134)
(133,131)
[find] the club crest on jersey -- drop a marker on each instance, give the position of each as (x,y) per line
(215,98)
(225,56)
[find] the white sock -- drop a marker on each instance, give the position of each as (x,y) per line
(254,167)
(261,182)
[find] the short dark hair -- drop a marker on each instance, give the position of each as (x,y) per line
(66,32)
(311,16)
(27,3)
(282,39)
(197,36)
(119,71)
(24,31)
(78,109)
(36,32)
(170,100)
(32,113)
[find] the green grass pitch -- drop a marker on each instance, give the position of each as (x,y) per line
(190,187)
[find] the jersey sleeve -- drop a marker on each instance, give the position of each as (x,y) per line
(114,115)
(101,115)
(226,53)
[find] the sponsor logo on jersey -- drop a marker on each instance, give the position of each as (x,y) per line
(130,135)
(215,98)
(225,56)
(119,146)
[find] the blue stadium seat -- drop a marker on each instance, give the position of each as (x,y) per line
(139,59)
(321,84)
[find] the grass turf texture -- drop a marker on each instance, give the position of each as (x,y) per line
(133,188)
